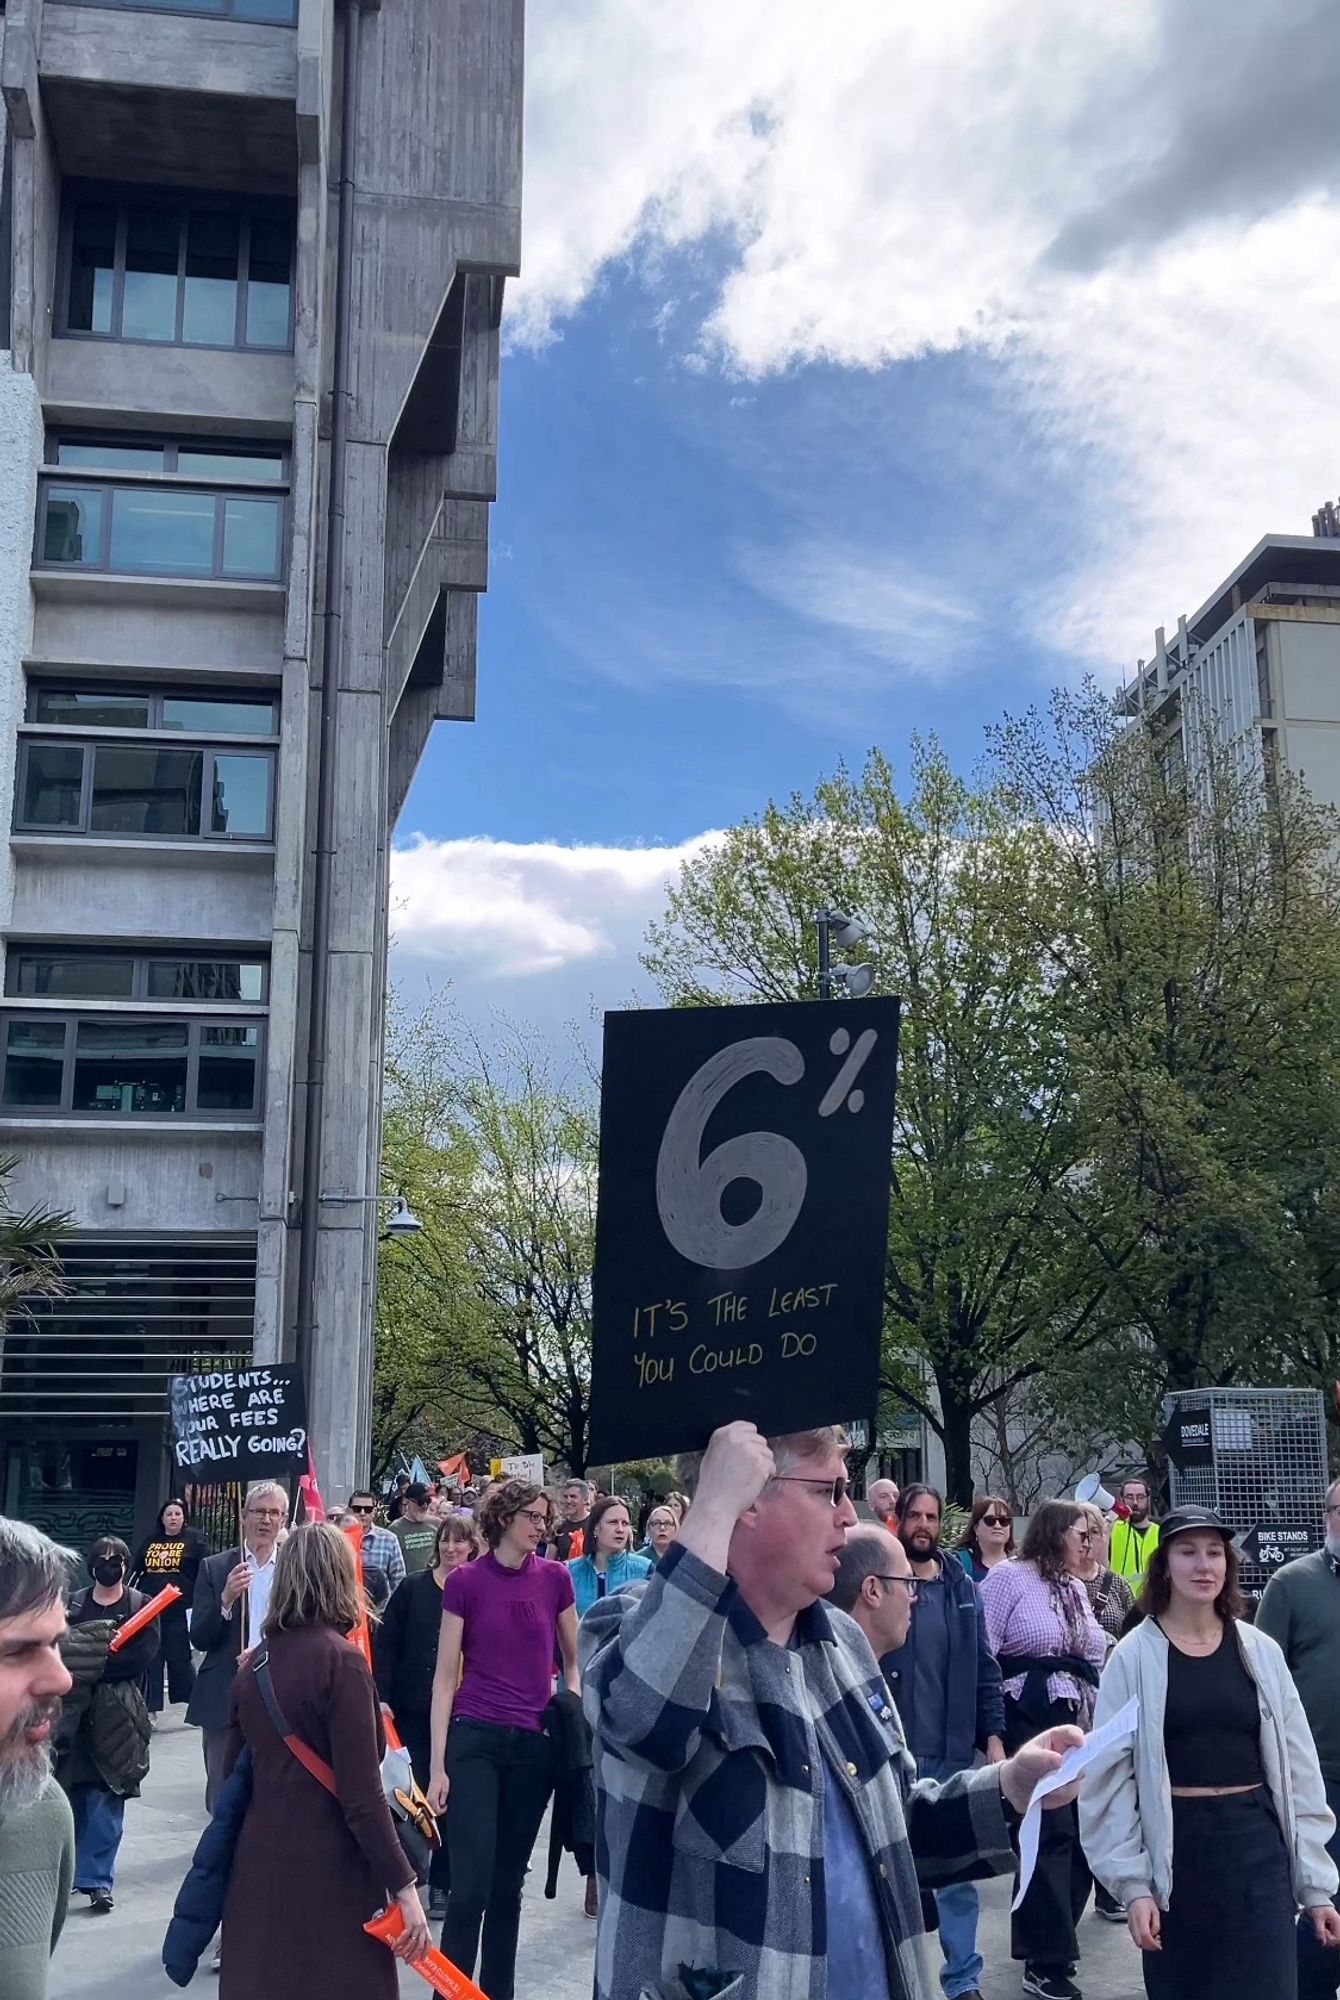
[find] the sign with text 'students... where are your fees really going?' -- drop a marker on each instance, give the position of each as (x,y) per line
(745,1159)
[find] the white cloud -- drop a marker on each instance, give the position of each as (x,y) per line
(898,618)
(494,910)
(1131,210)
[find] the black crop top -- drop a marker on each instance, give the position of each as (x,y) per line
(1212,1723)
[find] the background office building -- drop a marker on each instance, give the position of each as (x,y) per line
(252,256)
(1258,665)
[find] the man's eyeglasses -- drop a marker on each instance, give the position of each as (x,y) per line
(362,1507)
(836,1489)
(265,1513)
(910,1584)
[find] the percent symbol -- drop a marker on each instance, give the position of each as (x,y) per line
(840,1089)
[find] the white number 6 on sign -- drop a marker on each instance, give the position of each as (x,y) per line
(689,1188)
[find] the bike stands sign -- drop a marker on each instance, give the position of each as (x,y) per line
(745,1161)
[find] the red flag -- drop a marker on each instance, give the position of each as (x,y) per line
(313,1506)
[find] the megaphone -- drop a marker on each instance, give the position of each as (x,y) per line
(1093,1492)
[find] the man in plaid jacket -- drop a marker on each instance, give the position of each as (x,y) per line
(759,1836)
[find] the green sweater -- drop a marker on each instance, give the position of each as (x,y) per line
(36,1868)
(1300,1609)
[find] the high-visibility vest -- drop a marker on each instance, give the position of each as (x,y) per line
(1130,1548)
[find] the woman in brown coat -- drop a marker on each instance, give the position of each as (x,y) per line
(312,1866)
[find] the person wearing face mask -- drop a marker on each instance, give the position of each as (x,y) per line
(173,1553)
(103,1735)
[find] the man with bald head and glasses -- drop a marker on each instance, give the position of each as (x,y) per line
(760,1832)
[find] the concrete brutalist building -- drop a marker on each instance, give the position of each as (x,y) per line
(252,256)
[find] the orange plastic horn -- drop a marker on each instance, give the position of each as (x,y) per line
(146,1615)
(444,1977)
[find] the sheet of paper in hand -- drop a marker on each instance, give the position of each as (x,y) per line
(1074,1763)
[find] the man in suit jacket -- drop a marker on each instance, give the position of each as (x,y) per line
(232,1595)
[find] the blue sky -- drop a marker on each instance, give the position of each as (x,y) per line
(865,376)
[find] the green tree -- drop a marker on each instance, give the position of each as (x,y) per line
(485,1317)
(30,1241)
(1200,945)
(990,1273)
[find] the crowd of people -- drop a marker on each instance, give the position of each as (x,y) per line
(781,1740)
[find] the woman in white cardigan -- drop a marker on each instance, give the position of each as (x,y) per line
(1209,1824)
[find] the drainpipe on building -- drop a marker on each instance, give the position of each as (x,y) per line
(332,653)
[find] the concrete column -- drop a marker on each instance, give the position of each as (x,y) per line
(347,1233)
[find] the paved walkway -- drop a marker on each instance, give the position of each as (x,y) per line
(117,1957)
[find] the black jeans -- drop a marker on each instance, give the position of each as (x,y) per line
(174,1653)
(417,1735)
(1042,1929)
(1228,1927)
(1319,1964)
(501,1780)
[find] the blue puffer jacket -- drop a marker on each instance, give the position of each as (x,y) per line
(198,1910)
(589,1583)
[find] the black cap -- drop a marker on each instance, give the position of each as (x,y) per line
(1182,1520)
(417,1492)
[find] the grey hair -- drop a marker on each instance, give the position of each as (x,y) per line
(264,1486)
(796,1448)
(34,1571)
(1331,1491)
(865,1554)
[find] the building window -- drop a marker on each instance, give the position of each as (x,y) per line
(183,270)
(145,791)
(128,1066)
(78,973)
(179,519)
(282,13)
(149,708)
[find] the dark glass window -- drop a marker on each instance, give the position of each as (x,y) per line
(218,718)
(282,12)
(94,973)
(130,1066)
(145,790)
(269,263)
(34,1063)
(205,979)
(159,532)
(92,267)
(95,708)
(227,1073)
(149,295)
(164,528)
(109,456)
(51,793)
(73,527)
(195,272)
(208,462)
(72,975)
(135,708)
(241,803)
(209,298)
(251,537)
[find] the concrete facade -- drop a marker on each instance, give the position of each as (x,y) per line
(389,438)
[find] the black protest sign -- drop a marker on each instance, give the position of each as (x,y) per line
(239,1423)
(745,1158)
(1271,1544)
(1186,1439)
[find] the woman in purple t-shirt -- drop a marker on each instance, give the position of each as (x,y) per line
(501,1620)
